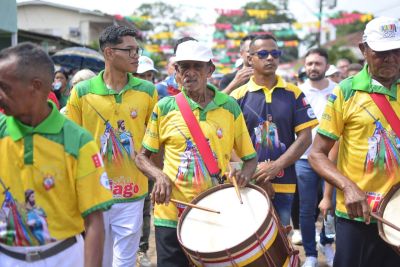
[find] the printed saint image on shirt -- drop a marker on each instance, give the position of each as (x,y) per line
(117,144)
(383,151)
(192,168)
(267,138)
(126,139)
(23,224)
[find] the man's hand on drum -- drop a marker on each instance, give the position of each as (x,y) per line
(162,190)
(356,202)
(241,178)
(267,170)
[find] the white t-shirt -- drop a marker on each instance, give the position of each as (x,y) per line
(317,99)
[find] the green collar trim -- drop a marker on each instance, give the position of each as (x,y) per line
(50,125)
(99,87)
(362,81)
(218,100)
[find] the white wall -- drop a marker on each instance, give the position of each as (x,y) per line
(58,22)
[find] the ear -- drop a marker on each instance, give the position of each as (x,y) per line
(250,60)
(211,71)
(107,53)
(363,49)
(36,84)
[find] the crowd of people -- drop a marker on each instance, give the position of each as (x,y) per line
(87,160)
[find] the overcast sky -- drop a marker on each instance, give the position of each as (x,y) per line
(302,9)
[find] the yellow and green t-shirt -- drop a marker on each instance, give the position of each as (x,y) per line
(117,122)
(224,127)
(52,177)
(369,150)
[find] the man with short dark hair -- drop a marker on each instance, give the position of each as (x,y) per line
(236,79)
(115,107)
(275,111)
(317,89)
(368,164)
(52,179)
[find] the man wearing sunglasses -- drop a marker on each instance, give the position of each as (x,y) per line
(275,112)
(102,105)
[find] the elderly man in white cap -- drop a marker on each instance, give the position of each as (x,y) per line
(368,163)
(186,172)
(146,69)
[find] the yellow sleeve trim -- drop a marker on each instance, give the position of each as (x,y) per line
(284,188)
(311,124)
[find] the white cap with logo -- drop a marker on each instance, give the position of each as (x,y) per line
(194,51)
(145,64)
(382,34)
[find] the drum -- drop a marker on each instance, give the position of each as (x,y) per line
(247,234)
(389,209)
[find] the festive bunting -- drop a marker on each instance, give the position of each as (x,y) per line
(260,13)
(162,35)
(223,26)
(183,24)
(229,12)
(348,18)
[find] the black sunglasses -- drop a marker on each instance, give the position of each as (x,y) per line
(262,54)
(131,51)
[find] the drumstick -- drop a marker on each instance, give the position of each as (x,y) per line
(193,205)
(234,182)
(379,218)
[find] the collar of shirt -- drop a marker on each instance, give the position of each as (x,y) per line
(253,86)
(218,100)
(362,81)
(50,125)
(308,87)
(99,87)
(280,84)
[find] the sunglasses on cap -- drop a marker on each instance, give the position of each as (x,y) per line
(262,54)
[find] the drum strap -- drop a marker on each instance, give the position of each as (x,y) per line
(387,111)
(198,135)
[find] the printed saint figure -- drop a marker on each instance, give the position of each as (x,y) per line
(126,139)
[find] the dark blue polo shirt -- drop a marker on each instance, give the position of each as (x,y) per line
(273,117)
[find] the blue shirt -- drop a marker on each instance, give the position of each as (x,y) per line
(273,117)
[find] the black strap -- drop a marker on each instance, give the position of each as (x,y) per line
(40,255)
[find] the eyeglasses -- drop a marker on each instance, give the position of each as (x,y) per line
(131,51)
(262,54)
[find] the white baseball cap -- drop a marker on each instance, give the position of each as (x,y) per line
(332,70)
(145,64)
(382,34)
(193,50)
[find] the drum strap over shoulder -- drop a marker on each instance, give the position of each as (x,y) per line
(387,111)
(198,136)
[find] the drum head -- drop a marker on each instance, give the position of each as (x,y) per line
(392,214)
(206,232)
